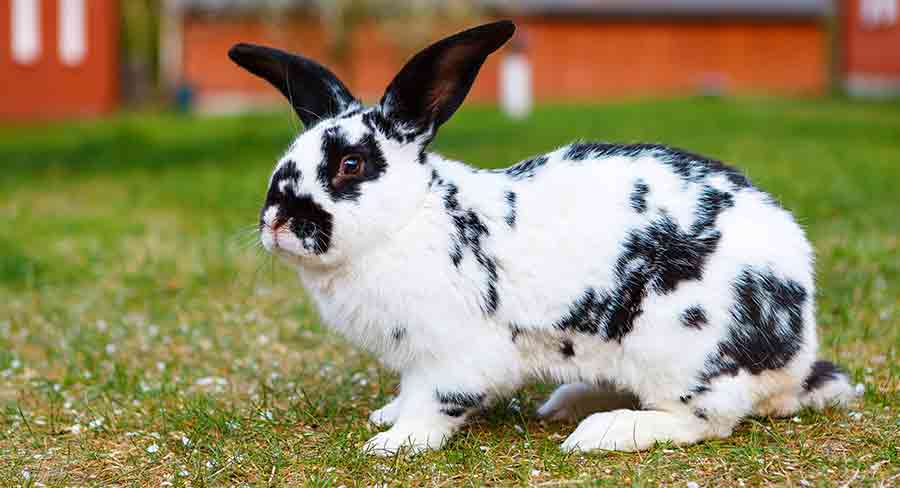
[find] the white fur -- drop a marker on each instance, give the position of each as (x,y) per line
(388,266)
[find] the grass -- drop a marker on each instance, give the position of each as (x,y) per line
(144,341)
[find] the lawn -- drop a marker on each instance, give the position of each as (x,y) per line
(146,341)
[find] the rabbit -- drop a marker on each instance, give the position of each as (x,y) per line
(667,295)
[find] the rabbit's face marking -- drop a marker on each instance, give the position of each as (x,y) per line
(336,192)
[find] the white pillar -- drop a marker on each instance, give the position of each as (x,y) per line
(515,85)
(26,31)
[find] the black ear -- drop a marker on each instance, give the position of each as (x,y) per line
(434,83)
(314,92)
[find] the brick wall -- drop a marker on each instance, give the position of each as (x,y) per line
(48,88)
(573,59)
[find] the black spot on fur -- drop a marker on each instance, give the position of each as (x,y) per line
(511,214)
(526,169)
(655,258)
(694,317)
(700,414)
(515,331)
(689,166)
(335,146)
(766,329)
(710,204)
(470,231)
(454,404)
(822,372)
(567,349)
(398,333)
(638,196)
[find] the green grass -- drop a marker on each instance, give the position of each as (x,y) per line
(135,311)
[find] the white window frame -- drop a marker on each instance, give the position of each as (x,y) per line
(25,30)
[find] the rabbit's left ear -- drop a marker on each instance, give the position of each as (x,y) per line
(314,91)
(434,83)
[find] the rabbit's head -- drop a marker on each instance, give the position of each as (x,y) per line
(357,175)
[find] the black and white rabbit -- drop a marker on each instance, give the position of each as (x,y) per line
(616,270)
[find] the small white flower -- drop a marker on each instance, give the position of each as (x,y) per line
(855,415)
(185,441)
(859,389)
(519,428)
(160,366)
(535,472)
(184,473)
(796,420)
(75,429)
(692,484)
(110,349)
(210,465)
(329,470)
(97,422)
(805,483)
(266,415)
(152,448)
(484,448)
(26,474)
(15,364)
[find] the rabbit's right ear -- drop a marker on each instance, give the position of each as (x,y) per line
(314,91)
(434,83)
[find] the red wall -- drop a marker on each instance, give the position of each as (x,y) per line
(572,59)
(49,89)
(869,50)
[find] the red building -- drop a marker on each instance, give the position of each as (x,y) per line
(579,49)
(871,47)
(58,58)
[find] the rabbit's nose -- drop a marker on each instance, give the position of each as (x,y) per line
(279,223)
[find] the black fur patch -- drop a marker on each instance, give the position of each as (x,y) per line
(526,169)
(457,403)
(655,259)
(700,414)
(689,166)
(766,329)
(694,317)
(511,214)
(567,349)
(308,220)
(638,196)
(375,120)
(398,333)
(335,146)
(822,372)
(514,331)
(470,231)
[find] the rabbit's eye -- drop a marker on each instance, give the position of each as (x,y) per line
(352,165)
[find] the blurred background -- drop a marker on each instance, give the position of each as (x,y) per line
(75,58)
(147,340)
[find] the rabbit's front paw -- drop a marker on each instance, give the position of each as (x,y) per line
(412,440)
(386,415)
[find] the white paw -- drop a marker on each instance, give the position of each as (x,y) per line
(386,415)
(563,402)
(607,431)
(412,441)
(576,400)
